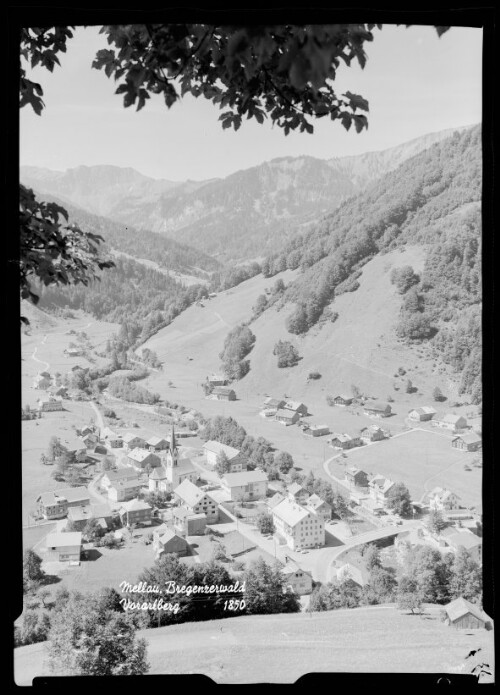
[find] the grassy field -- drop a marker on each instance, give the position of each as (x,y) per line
(422,460)
(281,648)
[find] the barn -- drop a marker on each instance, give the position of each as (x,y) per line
(463,614)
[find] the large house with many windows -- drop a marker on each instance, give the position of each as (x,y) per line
(195,500)
(298,526)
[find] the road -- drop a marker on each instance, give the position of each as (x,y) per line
(100,420)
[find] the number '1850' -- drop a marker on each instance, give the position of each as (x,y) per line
(234,605)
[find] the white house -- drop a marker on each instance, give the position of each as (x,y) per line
(64,547)
(355,571)
(298,526)
(297,579)
(422,414)
(195,500)
(133,441)
(443,500)
(450,421)
(213,449)
(379,488)
(247,485)
(140,458)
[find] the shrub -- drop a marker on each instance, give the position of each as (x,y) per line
(287,354)
(314,375)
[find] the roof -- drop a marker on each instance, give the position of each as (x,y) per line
(466,539)
(100,510)
(470,438)
(452,418)
(354,471)
(189,493)
(185,465)
(182,513)
(244,478)
(291,512)
(377,406)
(316,502)
(61,540)
(384,484)
(318,427)
(341,437)
(79,513)
(442,493)
(358,572)
(423,410)
(121,474)
(73,443)
(274,500)
(108,433)
(460,607)
(217,447)
(223,390)
(294,405)
(344,397)
(140,455)
(158,473)
(276,402)
(169,534)
(288,414)
(129,436)
(295,488)
(291,567)
(154,441)
(135,506)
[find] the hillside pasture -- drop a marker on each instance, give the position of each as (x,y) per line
(422,459)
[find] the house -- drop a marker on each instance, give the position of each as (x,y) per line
(297,493)
(49,403)
(224,393)
(342,400)
(344,441)
(167,541)
(135,512)
(296,407)
(353,570)
(443,500)
(111,438)
(85,430)
(122,474)
(213,449)
(178,469)
(356,477)
(268,412)
(64,547)
(192,498)
(75,447)
(322,508)
(287,417)
(372,433)
(297,526)
(247,485)
(317,430)
(141,458)
(80,516)
(450,421)
(55,505)
(73,352)
(274,404)
(274,500)
(132,441)
(217,380)
(123,490)
(187,523)
(379,489)
(471,441)
(297,580)
(89,440)
(469,541)
(422,414)
(463,614)
(377,409)
(157,443)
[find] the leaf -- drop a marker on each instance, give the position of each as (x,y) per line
(357,101)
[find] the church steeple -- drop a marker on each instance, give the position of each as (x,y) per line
(173,453)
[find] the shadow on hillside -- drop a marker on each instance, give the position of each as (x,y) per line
(91,555)
(332,541)
(50,579)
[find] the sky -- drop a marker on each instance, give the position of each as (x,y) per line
(415,82)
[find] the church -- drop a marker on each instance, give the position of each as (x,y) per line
(172,471)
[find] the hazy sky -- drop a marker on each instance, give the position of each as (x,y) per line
(415,82)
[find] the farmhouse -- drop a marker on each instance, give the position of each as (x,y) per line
(342,400)
(217,380)
(140,458)
(297,526)
(467,540)
(297,580)
(377,409)
(111,438)
(122,490)
(274,403)
(344,441)
(297,493)
(372,433)
(196,501)
(422,414)
(286,417)
(224,393)
(73,352)
(64,547)
(49,403)
(213,449)
(463,614)
(189,524)
(296,407)
(356,477)
(443,500)
(268,412)
(471,441)
(379,489)
(80,516)
(247,485)
(135,512)
(355,571)
(322,508)
(167,541)
(89,440)
(157,444)
(450,421)
(75,447)
(317,430)
(132,441)
(55,505)
(122,474)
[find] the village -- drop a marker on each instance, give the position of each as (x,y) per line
(148,495)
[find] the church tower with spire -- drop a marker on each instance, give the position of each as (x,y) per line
(173,452)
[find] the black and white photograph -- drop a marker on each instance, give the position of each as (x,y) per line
(251,321)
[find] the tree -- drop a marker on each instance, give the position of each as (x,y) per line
(265,523)
(92,530)
(371,557)
(409,597)
(284,461)
(35,627)
(437,394)
(409,386)
(107,463)
(32,568)
(44,460)
(223,464)
(399,500)
(87,639)
(355,390)
(260,304)
(435,521)
(265,590)
(55,449)
(288,355)
(466,576)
